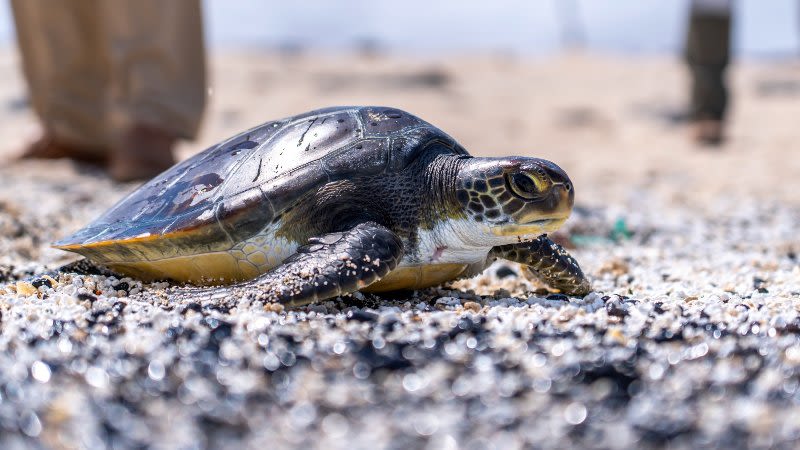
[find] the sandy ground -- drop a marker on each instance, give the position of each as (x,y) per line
(690,339)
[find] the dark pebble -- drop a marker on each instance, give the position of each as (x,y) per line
(89,297)
(362,316)
(193,306)
(616,308)
(6,273)
(505,272)
(41,281)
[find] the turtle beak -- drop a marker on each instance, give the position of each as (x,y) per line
(539,217)
(556,205)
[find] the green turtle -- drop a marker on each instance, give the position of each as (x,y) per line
(334,201)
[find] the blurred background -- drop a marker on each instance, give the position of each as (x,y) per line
(586,84)
(517,27)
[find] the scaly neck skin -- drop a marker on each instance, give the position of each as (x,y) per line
(439,192)
(447,234)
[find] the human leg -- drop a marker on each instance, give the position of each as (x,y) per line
(158,81)
(64,64)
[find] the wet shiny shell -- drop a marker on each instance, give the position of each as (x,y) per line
(233,190)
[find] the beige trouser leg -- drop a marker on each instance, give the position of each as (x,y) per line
(708,54)
(96,66)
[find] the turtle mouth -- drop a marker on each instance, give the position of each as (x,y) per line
(533,227)
(541,222)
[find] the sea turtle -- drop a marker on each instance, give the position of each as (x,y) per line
(334,201)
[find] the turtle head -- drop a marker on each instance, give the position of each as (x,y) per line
(515,196)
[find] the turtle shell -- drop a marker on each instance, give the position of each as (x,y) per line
(231,191)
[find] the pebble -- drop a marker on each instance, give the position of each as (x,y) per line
(505,271)
(25,289)
(362,316)
(472,306)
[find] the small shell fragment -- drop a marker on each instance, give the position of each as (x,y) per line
(25,289)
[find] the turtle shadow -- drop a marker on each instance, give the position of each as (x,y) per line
(430,297)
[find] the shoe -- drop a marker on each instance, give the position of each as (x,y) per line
(708,132)
(140,153)
(48,147)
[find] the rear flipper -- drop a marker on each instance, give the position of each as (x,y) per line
(549,262)
(329,265)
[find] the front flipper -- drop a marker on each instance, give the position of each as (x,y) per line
(329,265)
(549,262)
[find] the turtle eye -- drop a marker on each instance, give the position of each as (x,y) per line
(524,186)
